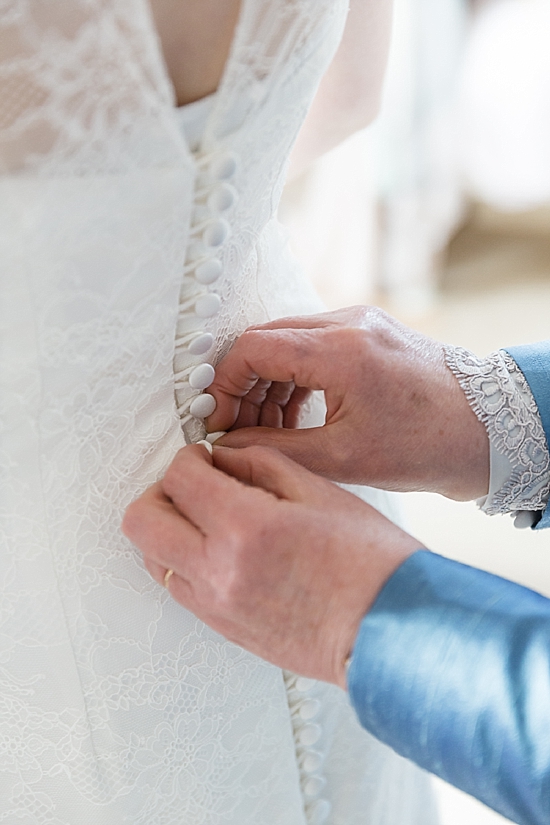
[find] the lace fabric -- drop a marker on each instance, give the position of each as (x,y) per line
(501,398)
(117,706)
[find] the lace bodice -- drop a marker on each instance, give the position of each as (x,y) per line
(117,706)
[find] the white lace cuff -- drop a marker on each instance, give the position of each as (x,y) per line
(502,400)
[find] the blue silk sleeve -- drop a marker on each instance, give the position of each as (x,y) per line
(534,362)
(451,668)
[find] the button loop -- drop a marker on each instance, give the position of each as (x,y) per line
(304,709)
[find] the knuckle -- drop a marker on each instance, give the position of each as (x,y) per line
(169,481)
(257,453)
(227,590)
(301,344)
(262,458)
(173,474)
(375,314)
(250,339)
(381,326)
(229,580)
(133,519)
(347,343)
(250,334)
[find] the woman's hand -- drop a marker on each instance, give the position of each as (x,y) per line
(396,415)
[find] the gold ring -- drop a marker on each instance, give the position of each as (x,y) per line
(167,576)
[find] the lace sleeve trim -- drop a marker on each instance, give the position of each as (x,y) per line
(501,398)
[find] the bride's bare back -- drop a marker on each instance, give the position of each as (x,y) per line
(196,37)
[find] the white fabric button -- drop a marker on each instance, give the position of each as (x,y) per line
(309,708)
(303,684)
(203,406)
(209,271)
(213,437)
(224,167)
(319,812)
(309,735)
(215,233)
(314,785)
(202,376)
(222,198)
(201,344)
(207,445)
(312,761)
(208,305)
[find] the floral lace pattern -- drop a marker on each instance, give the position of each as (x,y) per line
(117,707)
(501,398)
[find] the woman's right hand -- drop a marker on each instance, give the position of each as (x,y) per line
(396,415)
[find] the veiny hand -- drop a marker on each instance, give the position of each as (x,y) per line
(396,415)
(274,558)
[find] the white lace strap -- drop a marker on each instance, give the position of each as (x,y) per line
(501,398)
(271,41)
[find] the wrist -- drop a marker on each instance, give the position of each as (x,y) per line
(379,565)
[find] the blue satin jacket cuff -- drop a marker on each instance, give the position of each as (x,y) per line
(451,668)
(534,362)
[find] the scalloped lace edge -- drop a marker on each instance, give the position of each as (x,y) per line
(501,398)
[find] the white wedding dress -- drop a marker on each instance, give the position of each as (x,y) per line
(128,265)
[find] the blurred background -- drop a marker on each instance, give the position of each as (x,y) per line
(440,213)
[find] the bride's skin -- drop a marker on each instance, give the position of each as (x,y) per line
(196,38)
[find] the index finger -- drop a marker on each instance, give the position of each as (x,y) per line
(162,534)
(345,317)
(282,355)
(204,495)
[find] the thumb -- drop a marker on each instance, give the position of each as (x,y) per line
(271,471)
(261,357)
(309,447)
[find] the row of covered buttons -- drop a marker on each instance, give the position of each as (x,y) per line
(304,709)
(214,195)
